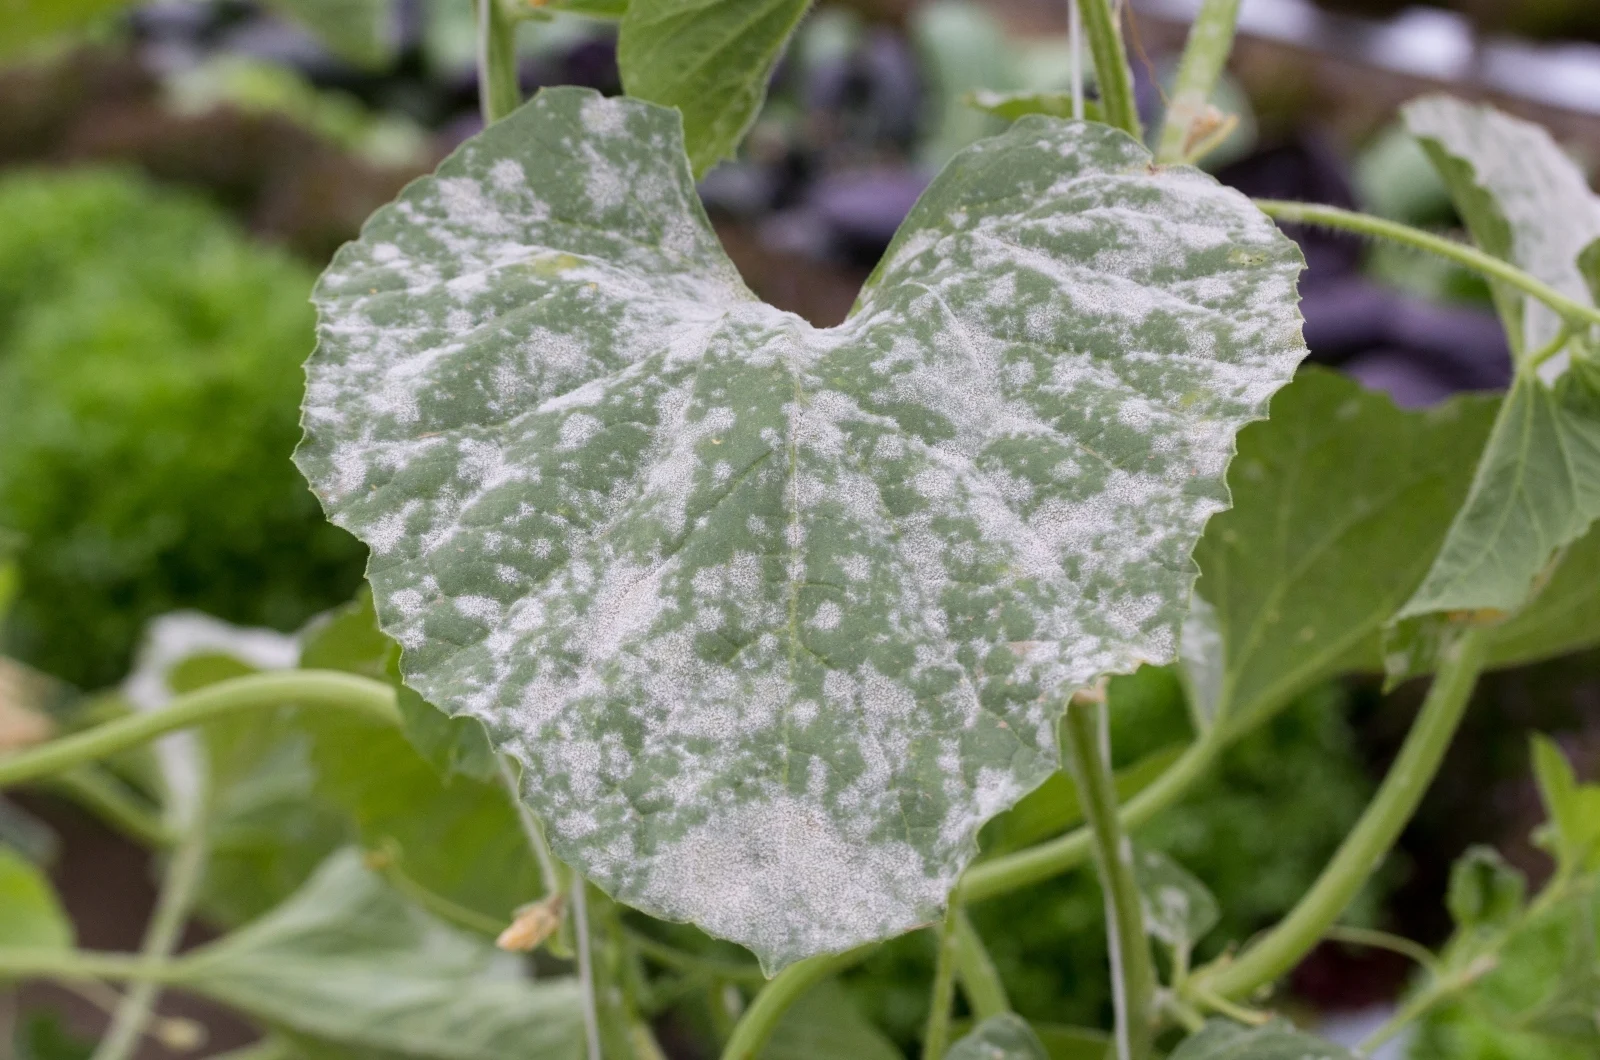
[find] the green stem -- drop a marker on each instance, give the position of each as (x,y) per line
(1366,846)
(936,1036)
(445,909)
(1038,863)
(1112,74)
(305,688)
(85,965)
(759,1020)
(179,888)
(265,1049)
(1210,41)
(1549,349)
(499,92)
(1574,312)
(980,980)
(104,795)
(1133,973)
(1383,940)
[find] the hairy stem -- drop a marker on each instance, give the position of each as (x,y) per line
(1038,863)
(499,92)
(306,688)
(759,1020)
(1133,972)
(980,981)
(1113,75)
(179,887)
(1366,846)
(1205,54)
(1572,311)
(936,1036)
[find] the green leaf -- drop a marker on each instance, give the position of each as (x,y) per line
(362,31)
(1006,1037)
(24,23)
(41,1035)
(1520,195)
(348,960)
(1573,809)
(826,1023)
(30,913)
(456,835)
(1178,909)
(349,639)
(1537,486)
(1563,617)
(607,9)
(711,59)
(1486,892)
(1222,1040)
(1536,490)
(776,617)
(1014,105)
(1300,587)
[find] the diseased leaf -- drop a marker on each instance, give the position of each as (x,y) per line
(1520,195)
(1301,586)
(362,31)
(776,617)
(1005,1037)
(1537,486)
(1222,1040)
(709,58)
(826,1023)
(30,913)
(1178,909)
(348,960)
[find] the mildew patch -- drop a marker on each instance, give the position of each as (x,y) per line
(776,617)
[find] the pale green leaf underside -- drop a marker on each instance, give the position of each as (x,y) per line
(1537,484)
(1178,909)
(776,617)
(1222,1040)
(1520,195)
(1005,1037)
(709,58)
(348,960)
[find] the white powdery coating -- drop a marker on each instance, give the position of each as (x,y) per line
(1541,192)
(776,617)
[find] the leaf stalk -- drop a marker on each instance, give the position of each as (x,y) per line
(499,90)
(1113,75)
(305,688)
(1133,972)
(1204,56)
(1365,847)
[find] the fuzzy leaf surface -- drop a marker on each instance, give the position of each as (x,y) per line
(348,960)
(1522,198)
(709,58)
(774,616)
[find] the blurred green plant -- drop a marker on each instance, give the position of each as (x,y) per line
(149,373)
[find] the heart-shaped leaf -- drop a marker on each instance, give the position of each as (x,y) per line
(30,913)
(776,617)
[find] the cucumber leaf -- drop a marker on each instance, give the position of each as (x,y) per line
(1537,485)
(775,617)
(1178,909)
(348,960)
(711,59)
(30,913)
(1004,1037)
